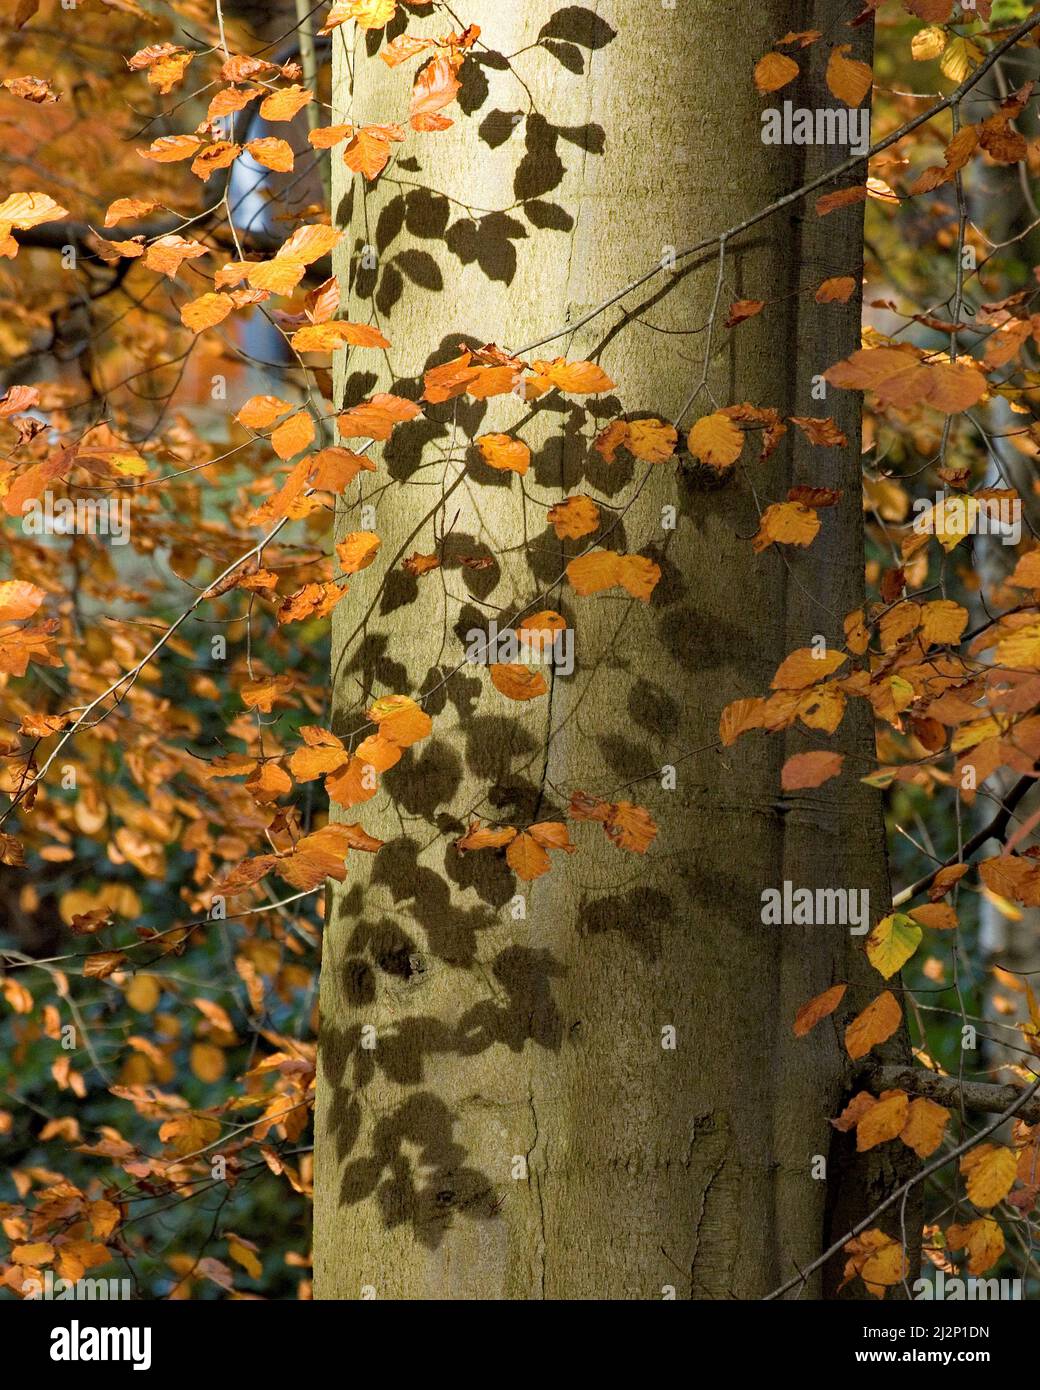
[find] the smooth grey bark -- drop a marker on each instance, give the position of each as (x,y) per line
(533,1047)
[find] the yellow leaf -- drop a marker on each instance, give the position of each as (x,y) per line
(283,105)
(716,440)
(39,1253)
(577,378)
(401,721)
(882,1121)
(653,441)
(983,1239)
(143,993)
(925,1125)
(243,1253)
(892,942)
(927,43)
(805,667)
(207,1062)
(960,57)
(990,1171)
(943,622)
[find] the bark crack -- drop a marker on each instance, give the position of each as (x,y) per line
(537,1183)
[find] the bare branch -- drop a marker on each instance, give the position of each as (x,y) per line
(948,1090)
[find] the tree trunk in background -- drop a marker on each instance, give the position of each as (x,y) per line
(518,1130)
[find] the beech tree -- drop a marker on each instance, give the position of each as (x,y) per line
(470,526)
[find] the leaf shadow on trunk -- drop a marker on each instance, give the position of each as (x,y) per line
(416,1170)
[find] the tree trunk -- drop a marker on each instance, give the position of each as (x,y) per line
(519,1130)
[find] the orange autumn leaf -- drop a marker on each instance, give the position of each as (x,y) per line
(822,432)
(786,523)
(882,1122)
(376,418)
(651,440)
(418,565)
(261,411)
(309,243)
(504,453)
(983,1239)
(626,825)
(261,694)
(809,1015)
(517,682)
(741,310)
(840,198)
(367,14)
(875,1024)
(333,469)
(485,837)
(206,311)
(806,667)
(210,158)
(19,599)
(576,378)
(268,783)
(293,435)
(526,853)
(324,137)
(168,253)
(606,569)
(170,148)
(573,518)
(838,289)
(946,879)
(774,71)
(739,717)
(278,276)
(898,377)
(936,916)
(804,770)
(368,149)
(272,153)
(336,334)
(925,1126)
(121,209)
(311,601)
(284,104)
(400,720)
(592,573)
(848,78)
(630,827)
(435,87)
(449,379)
(357,550)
